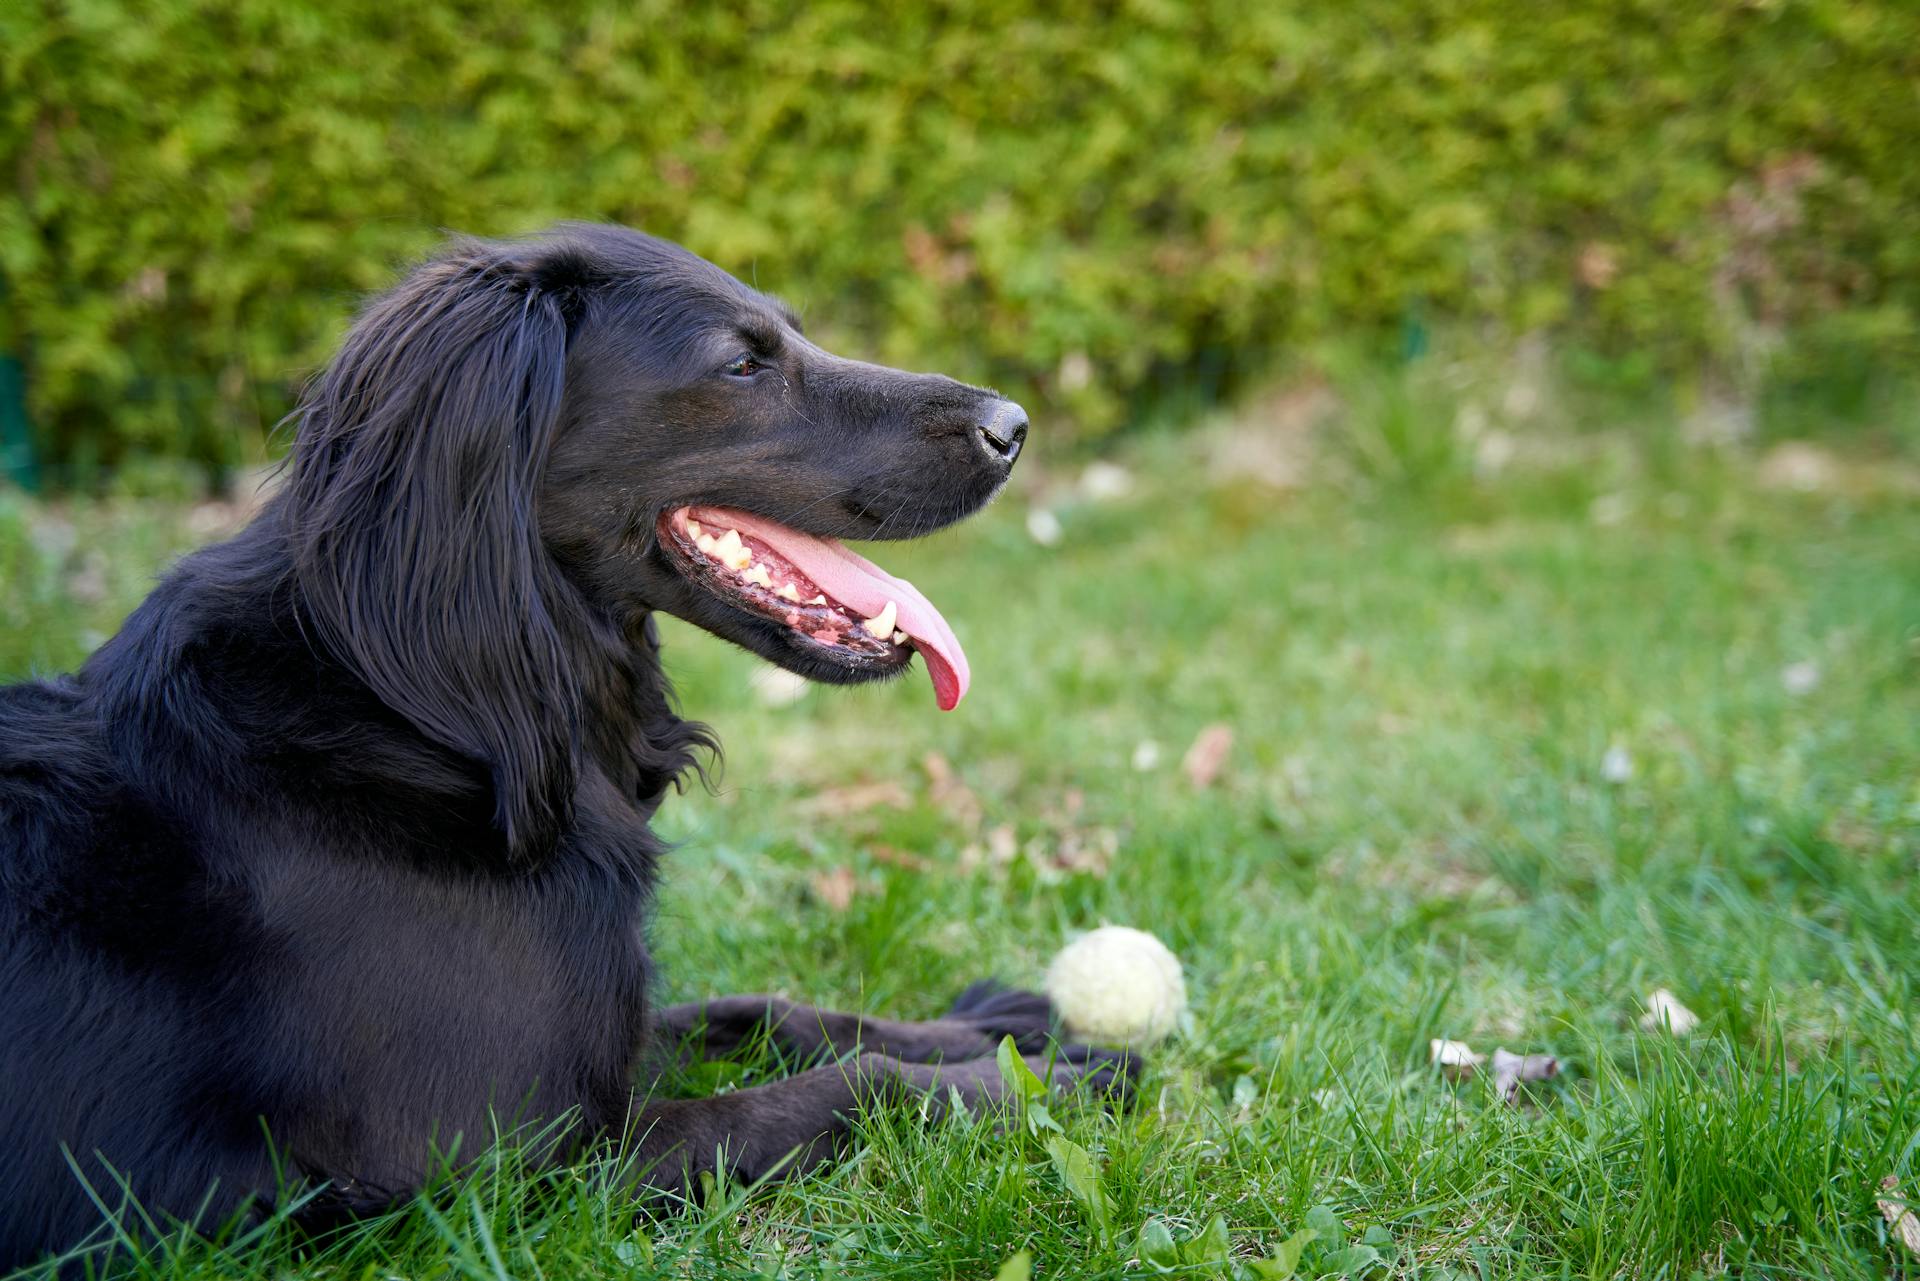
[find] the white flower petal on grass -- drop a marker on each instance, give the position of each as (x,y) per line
(1800,678)
(1666,1014)
(1610,509)
(1146,755)
(778,687)
(1456,1059)
(1616,766)
(1044,527)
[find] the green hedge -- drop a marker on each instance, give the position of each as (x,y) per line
(1080,201)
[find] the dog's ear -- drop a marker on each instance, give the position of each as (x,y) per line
(410,510)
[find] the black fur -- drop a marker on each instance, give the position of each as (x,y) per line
(343,837)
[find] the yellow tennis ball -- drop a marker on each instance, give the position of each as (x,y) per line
(1117,986)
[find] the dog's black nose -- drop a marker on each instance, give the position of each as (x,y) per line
(1005,429)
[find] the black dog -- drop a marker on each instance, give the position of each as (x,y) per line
(340,846)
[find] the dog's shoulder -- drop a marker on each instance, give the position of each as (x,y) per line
(52,756)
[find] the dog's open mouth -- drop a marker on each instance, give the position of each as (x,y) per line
(841,603)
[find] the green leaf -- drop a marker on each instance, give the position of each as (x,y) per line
(1021,1081)
(1353,1261)
(1039,1118)
(1285,1259)
(1156,1246)
(636,1251)
(1327,1225)
(1018,1267)
(1081,1174)
(1213,1245)
(715,1075)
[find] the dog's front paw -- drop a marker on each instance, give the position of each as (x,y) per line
(999,1011)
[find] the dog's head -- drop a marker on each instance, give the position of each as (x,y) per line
(708,455)
(530,443)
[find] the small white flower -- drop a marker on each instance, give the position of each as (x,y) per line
(1616,766)
(1044,527)
(1076,371)
(1493,451)
(1146,755)
(1104,481)
(1800,678)
(1610,509)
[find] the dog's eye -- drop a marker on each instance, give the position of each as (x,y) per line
(743,367)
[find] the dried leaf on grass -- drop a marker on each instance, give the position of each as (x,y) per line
(1459,1061)
(949,795)
(1901,1220)
(1001,846)
(1088,850)
(1054,854)
(1270,446)
(856,798)
(894,856)
(1456,1059)
(87,582)
(1509,1070)
(1208,755)
(835,887)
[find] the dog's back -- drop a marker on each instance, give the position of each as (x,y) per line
(109,1027)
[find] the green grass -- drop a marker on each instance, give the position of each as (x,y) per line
(1413,837)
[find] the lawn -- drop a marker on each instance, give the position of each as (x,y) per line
(1518,736)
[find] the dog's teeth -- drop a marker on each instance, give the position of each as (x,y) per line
(706,543)
(731,552)
(818,600)
(693,527)
(789,592)
(881,624)
(758,576)
(899,638)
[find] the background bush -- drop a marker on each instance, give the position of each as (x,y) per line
(1091,205)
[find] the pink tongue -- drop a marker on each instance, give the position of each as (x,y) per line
(861,585)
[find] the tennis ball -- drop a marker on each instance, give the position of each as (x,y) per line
(1117,986)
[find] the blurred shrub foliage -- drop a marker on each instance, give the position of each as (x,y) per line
(1085,203)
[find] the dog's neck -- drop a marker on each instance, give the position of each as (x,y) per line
(270,698)
(631,729)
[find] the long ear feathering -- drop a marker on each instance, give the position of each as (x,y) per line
(410,510)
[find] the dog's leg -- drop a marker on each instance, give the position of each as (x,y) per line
(972,1029)
(791,1125)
